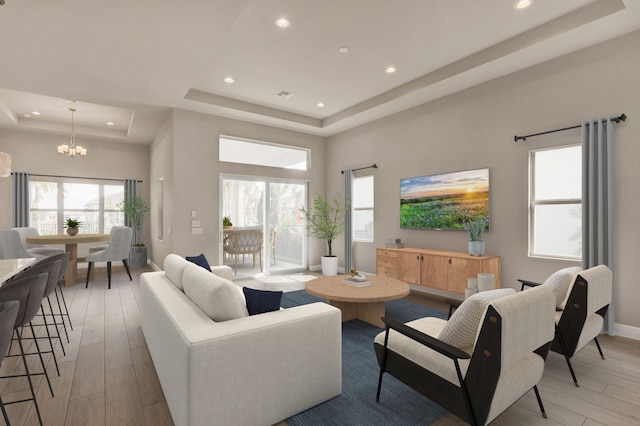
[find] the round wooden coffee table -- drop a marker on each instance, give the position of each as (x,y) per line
(364,303)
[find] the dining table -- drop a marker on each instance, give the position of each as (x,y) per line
(71,245)
(11,267)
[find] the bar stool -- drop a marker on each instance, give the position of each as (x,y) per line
(62,307)
(28,291)
(52,269)
(8,313)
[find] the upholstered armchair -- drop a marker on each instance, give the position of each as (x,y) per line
(479,362)
(582,300)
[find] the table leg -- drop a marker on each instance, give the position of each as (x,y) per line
(369,312)
(71,275)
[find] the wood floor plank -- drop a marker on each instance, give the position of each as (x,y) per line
(118,353)
(87,411)
(89,375)
(123,397)
(148,383)
(53,410)
(158,415)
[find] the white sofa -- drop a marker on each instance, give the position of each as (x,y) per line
(251,370)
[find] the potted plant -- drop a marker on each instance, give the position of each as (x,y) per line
(476,228)
(72,226)
(325,221)
(226,223)
(135,209)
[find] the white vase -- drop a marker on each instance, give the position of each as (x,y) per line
(468,292)
(476,248)
(329,265)
(472,283)
(486,281)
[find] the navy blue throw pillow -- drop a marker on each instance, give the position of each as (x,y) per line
(200,261)
(261,301)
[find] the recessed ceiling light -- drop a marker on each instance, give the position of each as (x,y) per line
(320,105)
(110,123)
(229,80)
(522,4)
(282,23)
(390,70)
(35,113)
(343,49)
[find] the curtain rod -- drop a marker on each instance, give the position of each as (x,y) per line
(622,117)
(78,177)
(373,166)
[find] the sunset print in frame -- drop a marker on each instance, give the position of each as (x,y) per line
(445,200)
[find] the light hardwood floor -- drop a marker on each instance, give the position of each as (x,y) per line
(107,376)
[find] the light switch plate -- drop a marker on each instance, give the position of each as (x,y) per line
(194,213)
(195,223)
(196,230)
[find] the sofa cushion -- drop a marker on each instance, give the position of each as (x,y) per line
(560,281)
(174,269)
(200,260)
(220,299)
(461,329)
(261,301)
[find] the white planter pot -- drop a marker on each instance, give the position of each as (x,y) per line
(476,248)
(329,265)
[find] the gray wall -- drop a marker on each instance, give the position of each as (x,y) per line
(187,152)
(475,129)
(36,153)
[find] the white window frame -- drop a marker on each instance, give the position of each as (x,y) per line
(60,208)
(357,236)
(535,202)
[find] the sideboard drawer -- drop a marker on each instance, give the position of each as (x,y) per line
(387,272)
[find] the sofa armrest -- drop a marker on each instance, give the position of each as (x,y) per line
(223,271)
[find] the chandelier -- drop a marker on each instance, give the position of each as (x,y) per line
(72,150)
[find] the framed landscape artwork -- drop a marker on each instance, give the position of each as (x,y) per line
(444,201)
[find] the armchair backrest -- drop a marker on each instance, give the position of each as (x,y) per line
(27,232)
(587,302)
(508,357)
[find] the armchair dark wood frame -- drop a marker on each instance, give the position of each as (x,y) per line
(569,328)
(471,401)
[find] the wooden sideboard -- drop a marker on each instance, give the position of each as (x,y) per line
(441,270)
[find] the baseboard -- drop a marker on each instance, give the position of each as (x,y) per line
(154,266)
(627,331)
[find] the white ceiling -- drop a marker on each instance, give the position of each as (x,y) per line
(130,62)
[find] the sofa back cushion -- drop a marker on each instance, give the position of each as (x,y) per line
(220,299)
(174,269)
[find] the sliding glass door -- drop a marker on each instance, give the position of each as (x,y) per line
(267,234)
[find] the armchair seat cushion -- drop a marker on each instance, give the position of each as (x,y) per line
(422,355)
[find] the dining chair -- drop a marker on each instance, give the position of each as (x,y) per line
(15,245)
(8,314)
(244,241)
(28,291)
(117,250)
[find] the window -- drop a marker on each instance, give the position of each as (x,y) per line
(54,200)
(555,192)
(259,153)
(362,205)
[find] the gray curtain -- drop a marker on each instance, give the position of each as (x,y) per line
(597,200)
(20,199)
(130,193)
(348,228)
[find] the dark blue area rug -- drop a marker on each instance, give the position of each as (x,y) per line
(399,404)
